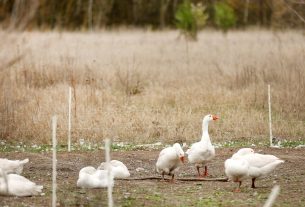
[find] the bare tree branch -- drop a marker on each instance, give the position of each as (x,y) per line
(294,11)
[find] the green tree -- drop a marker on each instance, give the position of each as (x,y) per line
(224,16)
(190,19)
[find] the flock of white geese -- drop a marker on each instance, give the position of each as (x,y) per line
(245,163)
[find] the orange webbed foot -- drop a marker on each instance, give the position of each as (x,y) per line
(237,190)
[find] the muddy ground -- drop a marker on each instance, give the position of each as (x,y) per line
(290,176)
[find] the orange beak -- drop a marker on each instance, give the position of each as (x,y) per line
(182,159)
(215,117)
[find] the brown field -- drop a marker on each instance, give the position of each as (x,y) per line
(290,176)
(143,87)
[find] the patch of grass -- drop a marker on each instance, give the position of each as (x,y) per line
(129,202)
(210,201)
(241,143)
(122,147)
(20,147)
(154,197)
(292,143)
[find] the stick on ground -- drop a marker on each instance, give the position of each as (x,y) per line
(181,179)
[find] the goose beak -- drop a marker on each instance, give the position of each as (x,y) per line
(181,159)
(215,117)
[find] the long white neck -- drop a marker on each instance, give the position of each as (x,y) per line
(205,131)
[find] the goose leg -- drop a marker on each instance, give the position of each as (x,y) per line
(163,175)
(237,190)
(197,167)
(173,178)
(205,171)
(253,183)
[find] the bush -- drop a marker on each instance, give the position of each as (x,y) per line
(190,18)
(224,16)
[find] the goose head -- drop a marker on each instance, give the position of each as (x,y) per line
(245,151)
(242,152)
(205,124)
(210,117)
(179,151)
(87,170)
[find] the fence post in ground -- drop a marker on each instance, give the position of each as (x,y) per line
(69,118)
(270,123)
(54,142)
(271,198)
(109,188)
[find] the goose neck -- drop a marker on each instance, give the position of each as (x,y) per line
(205,137)
(205,126)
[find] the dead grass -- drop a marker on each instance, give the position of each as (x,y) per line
(141,87)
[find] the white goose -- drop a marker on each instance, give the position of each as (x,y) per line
(260,165)
(17,185)
(169,160)
(12,166)
(89,177)
(237,169)
(203,151)
(118,169)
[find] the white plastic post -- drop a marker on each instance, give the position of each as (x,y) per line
(270,123)
(54,142)
(69,119)
(109,188)
(271,198)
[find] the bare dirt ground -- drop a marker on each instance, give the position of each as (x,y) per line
(290,176)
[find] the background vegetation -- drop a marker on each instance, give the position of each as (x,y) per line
(131,86)
(155,14)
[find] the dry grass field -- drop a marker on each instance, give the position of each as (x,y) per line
(144,87)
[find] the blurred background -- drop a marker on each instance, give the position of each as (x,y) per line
(151,14)
(144,71)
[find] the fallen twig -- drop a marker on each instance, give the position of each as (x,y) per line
(180,179)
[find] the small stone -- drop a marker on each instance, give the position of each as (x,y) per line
(140,169)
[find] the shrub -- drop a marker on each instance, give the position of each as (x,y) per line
(190,18)
(224,16)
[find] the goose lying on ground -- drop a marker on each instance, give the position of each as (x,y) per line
(260,165)
(169,160)
(118,169)
(89,177)
(203,151)
(17,185)
(12,166)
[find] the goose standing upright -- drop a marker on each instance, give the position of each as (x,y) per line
(203,151)
(17,185)
(169,160)
(12,166)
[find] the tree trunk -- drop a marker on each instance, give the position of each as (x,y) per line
(246,12)
(163,8)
